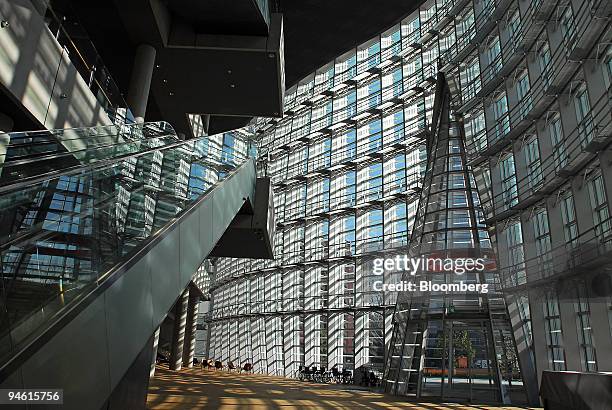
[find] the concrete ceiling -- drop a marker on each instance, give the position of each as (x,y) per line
(211,16)
(317,31)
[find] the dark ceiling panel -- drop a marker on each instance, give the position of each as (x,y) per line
(317,31)
(217,82)
(220,124)
(212,16)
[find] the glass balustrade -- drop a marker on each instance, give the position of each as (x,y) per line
(75,204)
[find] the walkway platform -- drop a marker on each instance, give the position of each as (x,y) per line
(207,389)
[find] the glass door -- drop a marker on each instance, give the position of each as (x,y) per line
(458,362)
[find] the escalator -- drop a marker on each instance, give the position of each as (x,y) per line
(101,230)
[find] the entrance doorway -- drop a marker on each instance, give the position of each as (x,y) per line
(461,363)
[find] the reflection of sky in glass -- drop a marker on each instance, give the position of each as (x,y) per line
(69,230)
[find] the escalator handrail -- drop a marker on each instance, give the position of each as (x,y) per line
(78,169)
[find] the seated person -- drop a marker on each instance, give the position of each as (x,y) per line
(373,379)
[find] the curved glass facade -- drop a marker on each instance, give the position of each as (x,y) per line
(531,82)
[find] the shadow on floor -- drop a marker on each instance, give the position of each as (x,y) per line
(208,389)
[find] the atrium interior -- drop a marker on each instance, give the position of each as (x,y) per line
(229,205)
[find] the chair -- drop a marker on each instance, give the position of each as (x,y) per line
(347,376)
(218,365)
(314,373)
(230,366)
(325,378)
(336,375)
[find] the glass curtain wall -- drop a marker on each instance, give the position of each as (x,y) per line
(347,163)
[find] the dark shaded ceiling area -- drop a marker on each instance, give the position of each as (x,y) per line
(317,31)
(211,16)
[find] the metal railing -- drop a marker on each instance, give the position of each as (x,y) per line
(574,149)
(89,65)
(592,247)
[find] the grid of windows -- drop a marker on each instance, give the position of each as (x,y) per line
(544,63)
(584,117)
(568,217)
(515,271)
(599,204)
(542,241)
(347,162)
(554,337)
(532,161)
(558,143)
(585,335)
(500,116)
(508,181)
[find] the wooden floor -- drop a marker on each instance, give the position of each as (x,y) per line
(207,389)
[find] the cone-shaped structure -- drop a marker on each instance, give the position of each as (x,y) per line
(452,343)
